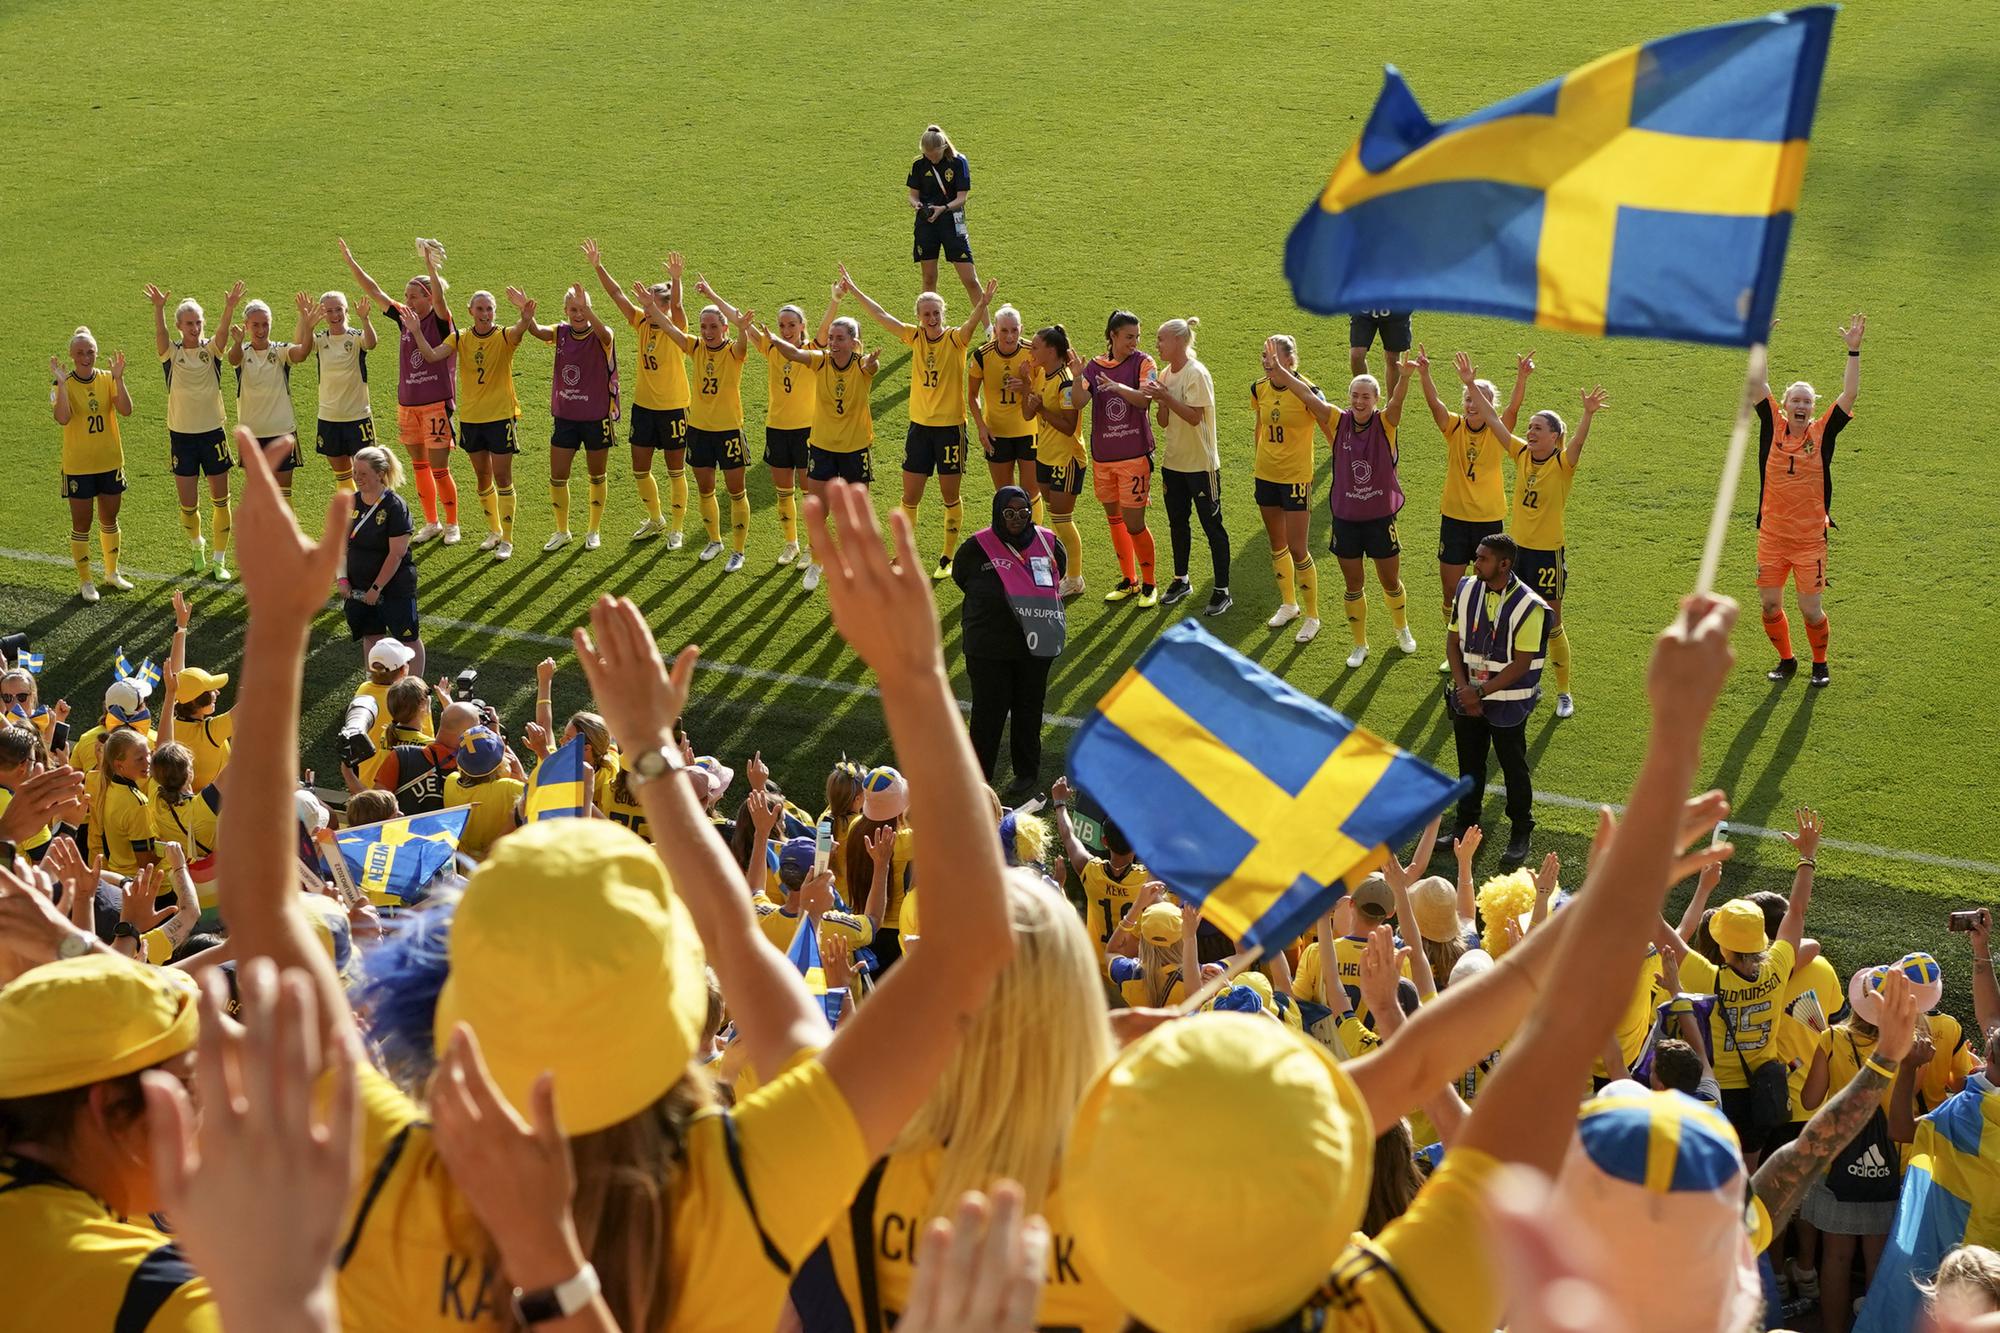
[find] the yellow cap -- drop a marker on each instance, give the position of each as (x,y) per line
(193,682)
(1160,925)
(80,1021)
(571,952)
(1738,926)
(1246,1115)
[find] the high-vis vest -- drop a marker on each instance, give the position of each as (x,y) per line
(1488,645)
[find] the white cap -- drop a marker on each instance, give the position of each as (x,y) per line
(125,700)
(390,654)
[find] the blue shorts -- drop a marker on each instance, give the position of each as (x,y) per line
(202,453)
(939,449)
(393,617)
(715,448)
(857,466)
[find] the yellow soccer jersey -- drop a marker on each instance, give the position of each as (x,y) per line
(194,389)
(121,826)
(1347,951)
(33,840)
(1636,1023)
(1541,497)
(629,813)
(191,823)
(1795,1047)
(1740,1026)
(485,374)
(1000,405)
(1107,896)
(663,372)
(1054,447)
(794,394)
(493,804)
(90,440)
(780,927)
(937,376)
(1285,427)
(264,391)
(83,754)
(343,375)
(208,741)
(843,422)
(1431,1267)
(718,388)
(1473,487)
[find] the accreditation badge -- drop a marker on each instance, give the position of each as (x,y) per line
(1043,571)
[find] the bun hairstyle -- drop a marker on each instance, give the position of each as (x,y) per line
(1183,328)
(83,335)
(1056,336)
(933,137)
(1553,421)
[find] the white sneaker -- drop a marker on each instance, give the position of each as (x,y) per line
(87,591)
(492,540)
(428,532)
(676,540)
(1408,642)
(122,584)
(733,563)
(591,541)
(503,551)
(557,540)
(710,551)
(652,527)
(811,580)
(1444,667)
(1072,586)
(788,553)
(216,570)
(1358,656)
(451,534)
(1308,630)
(1284,615)
(1564,705)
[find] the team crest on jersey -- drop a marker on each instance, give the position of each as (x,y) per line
(1809,447)
(416,358)
(271,357)
(202,356)
(570,376)
(380,518)
(347,344)
(1115,409)
(1364,471)
(950,174)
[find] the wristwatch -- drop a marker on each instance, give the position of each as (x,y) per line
(75,944)
(564,1299)
(652,765)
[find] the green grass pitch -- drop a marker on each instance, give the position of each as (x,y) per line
(1147,159)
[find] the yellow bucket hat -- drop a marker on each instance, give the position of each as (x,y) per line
(1246,1115)
(1738,926)
(571,952)
(80,1021)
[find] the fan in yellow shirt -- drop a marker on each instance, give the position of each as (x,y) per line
(1283,484)
(488,406)
(488,779)
(195,420)
(1111,883)
(810,893)
(1051,400)
(839,442)
(791,406)
(87,403)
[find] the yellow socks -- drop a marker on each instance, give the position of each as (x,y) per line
(221,523)
(598,490)
(344,481)
(1072,540)
(1399,607)
(489,505)
(1308,576)
(107,541)
(909,512)
(1281,567)
(503,505)
(1041,513)
(191,524)
(79,554)
(951,515)
(739,520)
(711,516)
(1559,656)
(1357,617)
(559,499)
(788,513)
(677,492)
(649,493)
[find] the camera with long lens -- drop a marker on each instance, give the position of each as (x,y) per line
(356,748)
(466,687)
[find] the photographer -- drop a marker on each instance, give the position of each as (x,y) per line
(417,773)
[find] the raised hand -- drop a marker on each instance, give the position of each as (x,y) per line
(37,800)
(673,264)
(1806,841)
(235,295)
(765,807)
(1421,361)
(536,738)
(744,318)
(1896,1025)
(1467,845)
(118,365)
(545,674)
(1691,660)
(1381,965)
(285,574)
(883,610)
(640,698)
(159,296)
(836,960)
(1851,332)
(1524,364)
(363,307)
(1545,878)
(308,308)
(590,251)
(838,289)
(815,896)
(1466,373)
(1595,400)
(139,898)
(881,843)
(517,298)
(56,367)
(701,285)
(755,772)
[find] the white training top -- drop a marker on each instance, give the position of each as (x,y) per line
(1188,446)
(264,391)
(194,389)
(343,376)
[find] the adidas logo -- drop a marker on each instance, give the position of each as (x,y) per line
(1870,1165)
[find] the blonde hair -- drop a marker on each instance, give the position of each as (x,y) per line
(1161,966)
(189,303)
(1973,1267)
(1489,389)
(258,306)
(338,298)
(1800,384)
(385,464)
(1005,311)
(83,335)
(34,690)
(370,807)
(931,296)
(851,324)
(1504,898)
(595,734)
(1182,328)
(118,746)
(933,137)
(792,308)
(1369,380)
(1288,347)
(476,295)
(1003,1105)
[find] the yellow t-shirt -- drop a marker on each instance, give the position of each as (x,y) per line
(90,440)
(1073,1297)
(629,813)
(485,374)
(1541,496)
(343,375)
(1285,428)
(843,422)
(1347,952)
(191,823)
(1431,1268)
(264,390)
(1795,1047)
(1054,447)
(1948,1068)
(417,1257)
(33,840)
(937,375)
(1474,490)
(83,753)
(663,374)
(69,1262)
(902,871)
(998,404)
(121,825)
(1846,1051)
(718,388)
(493,803)
(1106,898)
(208,741)
(1636,1023)
(794,392)
(194,389)
(1745,1010)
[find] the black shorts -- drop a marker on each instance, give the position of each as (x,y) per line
(1372,537)
(203,453)
(659,427)
(1393,326)
(1011,449)
(343,439)
(786,448)
(1291,496)
(1547,572)
(490,437)
(1459,538)
(291,461)
(715,448)
(587,435)
(939,449)
(947,234)
(90,485)
(828,465)
(395,617)
(1064,480)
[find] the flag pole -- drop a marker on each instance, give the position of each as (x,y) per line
(1755,376)
(1211,988)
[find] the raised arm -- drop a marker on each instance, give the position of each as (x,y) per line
(662,318)
(159,296)
(977,318)
(1985,986)
(1704,885)
(729,312)
(1392,411)
(1282,377)
(1060,796)
(1439,412)
(302,335)
(1524,366)
(230,300)
(777,344)
(1806,843)
(1476,404)
(235,352)
(881,316)
(832,313)
(363,307)
(605,333)
(525,324)
(1850,381)
(610,284)
(676,312)
(440,297)
(122,399)
(1463,849)
(1594,401)
(367,284)
(59,400)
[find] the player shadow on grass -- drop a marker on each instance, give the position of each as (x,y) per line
(1765,796)
(1730,771)
(729,640)
(889,395)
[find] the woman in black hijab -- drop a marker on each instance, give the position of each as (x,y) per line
(1010,574)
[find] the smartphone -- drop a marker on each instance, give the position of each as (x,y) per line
(1962,921)
(59,737)
(823,844)
(1721,834)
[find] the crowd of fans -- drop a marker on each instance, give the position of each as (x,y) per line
(694,1060)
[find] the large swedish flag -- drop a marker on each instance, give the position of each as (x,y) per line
(1950,1197)
(1648,194)
(1242,793)
(402,856)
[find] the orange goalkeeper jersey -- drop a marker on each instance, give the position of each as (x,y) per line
(1795,491)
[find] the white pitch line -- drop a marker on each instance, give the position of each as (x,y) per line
(790,679)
